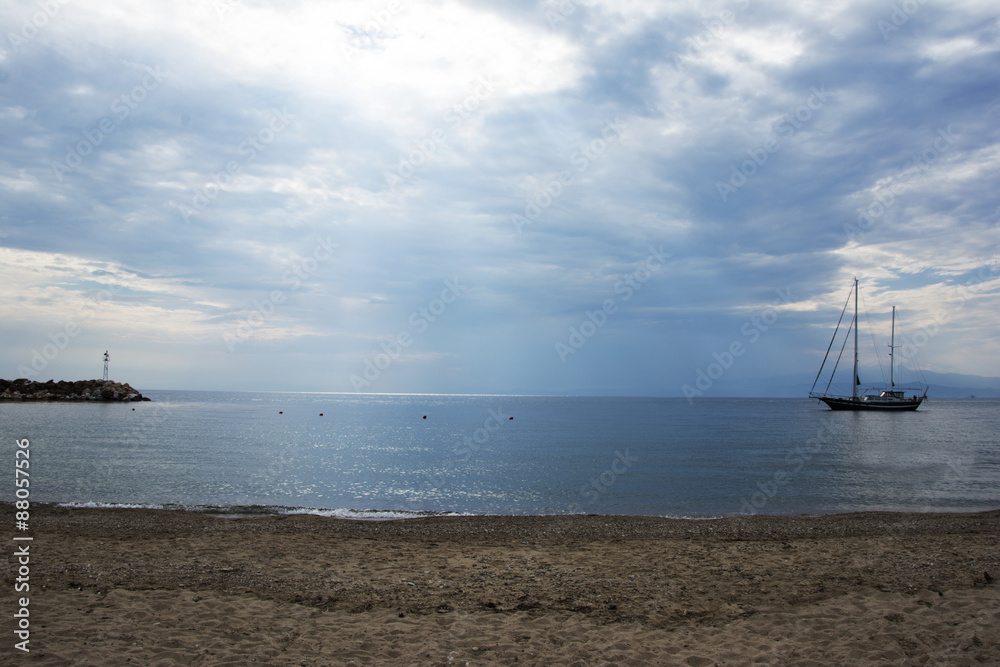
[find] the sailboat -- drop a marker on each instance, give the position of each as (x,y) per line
(893,398)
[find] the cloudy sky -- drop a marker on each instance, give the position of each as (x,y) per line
(465,197)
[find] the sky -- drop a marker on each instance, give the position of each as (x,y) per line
(621,197)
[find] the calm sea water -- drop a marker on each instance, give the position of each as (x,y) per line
(376,456)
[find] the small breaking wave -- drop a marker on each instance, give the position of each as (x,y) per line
(245,511)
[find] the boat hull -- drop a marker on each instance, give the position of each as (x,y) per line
(872,403)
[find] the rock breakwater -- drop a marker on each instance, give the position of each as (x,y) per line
(80,390)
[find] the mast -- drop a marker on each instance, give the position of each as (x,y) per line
(892,349)
(854,380)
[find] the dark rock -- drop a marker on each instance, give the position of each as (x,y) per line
(23,389)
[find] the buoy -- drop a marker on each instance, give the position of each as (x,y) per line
(425,416)
(321,414)
(281,412)
(512,418)
(133,409)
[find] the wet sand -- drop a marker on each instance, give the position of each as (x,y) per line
(129,586)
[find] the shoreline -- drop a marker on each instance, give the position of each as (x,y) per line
(540,526)
(109,586)
(237,511)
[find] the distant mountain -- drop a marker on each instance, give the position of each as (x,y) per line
(954,385)
(942,385)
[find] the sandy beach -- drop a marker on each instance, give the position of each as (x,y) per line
(142,587)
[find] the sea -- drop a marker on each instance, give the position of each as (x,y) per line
(381,456)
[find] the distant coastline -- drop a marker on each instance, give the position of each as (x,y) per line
(104,391)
